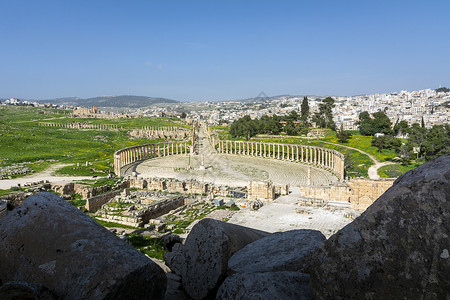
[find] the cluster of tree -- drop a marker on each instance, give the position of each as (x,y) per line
(380,123)
(292,124)
(324,117)
(247,127)
(426,144)
(422,143)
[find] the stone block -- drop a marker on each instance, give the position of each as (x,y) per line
(270,285)
(48,241)
(202,260)
(280,251)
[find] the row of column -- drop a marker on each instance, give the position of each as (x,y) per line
(81,125)
(325,158)
(164,128)
(132,154)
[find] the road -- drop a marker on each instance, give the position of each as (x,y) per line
(44,175)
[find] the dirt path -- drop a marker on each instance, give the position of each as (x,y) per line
(373,170)
(47,174)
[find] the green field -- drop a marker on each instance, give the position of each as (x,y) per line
(393,171)
(23,140)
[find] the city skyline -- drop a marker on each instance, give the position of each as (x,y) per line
(201,51)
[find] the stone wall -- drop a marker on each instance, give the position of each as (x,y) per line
(182,187)
(177,133)
(360,193)
(282,189)
(96,202)
(261,190)
(364,192)
(83,111)
(162,208)
(143,213)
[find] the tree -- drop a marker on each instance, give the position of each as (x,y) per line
(380,123)
(342,135)
(365,124)
(386,142)
(293,116)
(183,115)
(324,117)
(401,127)
(416,139)
(273,125)
(304,115)
(437,142)
(290,128)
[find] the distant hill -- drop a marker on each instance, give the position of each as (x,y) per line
(110,101)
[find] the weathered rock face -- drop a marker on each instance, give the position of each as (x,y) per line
(398,248)
(271,285)
(281,251)
(25,290)
(202,260)
(48,241)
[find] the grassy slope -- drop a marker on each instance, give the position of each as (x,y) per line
(23,140)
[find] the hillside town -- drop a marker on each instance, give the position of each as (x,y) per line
(431,105)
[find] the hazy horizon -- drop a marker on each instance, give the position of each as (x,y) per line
(215,51)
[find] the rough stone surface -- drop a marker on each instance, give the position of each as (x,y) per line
(270,285)
(202,260)
(398,248)
(48,241)
(25,290)
(281,251)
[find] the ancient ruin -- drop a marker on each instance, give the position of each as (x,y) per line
(80,125)
(328,159)
(85,111)
(359,192)
(127,156)
(149,132)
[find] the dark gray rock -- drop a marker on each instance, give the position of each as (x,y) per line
(270,285)
(281,251)
(202,260)
(48,241)
(169,240)
(398,248)
(25,290)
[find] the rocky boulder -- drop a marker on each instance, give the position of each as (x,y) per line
(202,260)
(272,285)
(398,248)
(48,241)
(25,290)
(280,251)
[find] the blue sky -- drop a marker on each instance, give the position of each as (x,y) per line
(216,50)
